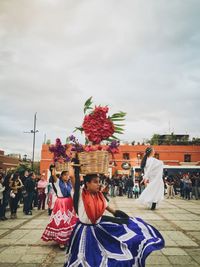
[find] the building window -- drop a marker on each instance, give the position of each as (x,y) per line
(157,156)
(187,158)
(126,156)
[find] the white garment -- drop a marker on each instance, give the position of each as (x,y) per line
(57,186)
(154,192)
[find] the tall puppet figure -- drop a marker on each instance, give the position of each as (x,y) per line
(63,217)
(153,176)
(107,241)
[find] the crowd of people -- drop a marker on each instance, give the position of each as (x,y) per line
(32,191)
(27,189)
(186,185)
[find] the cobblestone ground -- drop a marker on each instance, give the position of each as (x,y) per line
(177,219)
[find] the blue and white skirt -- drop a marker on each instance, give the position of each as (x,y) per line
(113,245)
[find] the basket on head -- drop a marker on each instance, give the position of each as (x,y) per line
(94,162)
(61,166)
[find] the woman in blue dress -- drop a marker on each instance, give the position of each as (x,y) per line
(100,241)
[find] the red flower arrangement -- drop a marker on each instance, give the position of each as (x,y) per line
(98,126)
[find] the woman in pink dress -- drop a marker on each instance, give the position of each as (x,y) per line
(63,217)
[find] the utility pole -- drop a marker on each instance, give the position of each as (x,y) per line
(34,131)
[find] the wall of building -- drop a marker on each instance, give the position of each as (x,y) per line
(171,155)
(7,162)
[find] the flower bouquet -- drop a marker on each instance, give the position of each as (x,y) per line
(60,157)
(98,128)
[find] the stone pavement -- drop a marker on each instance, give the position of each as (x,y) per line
(177,219)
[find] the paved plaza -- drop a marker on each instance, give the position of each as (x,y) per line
(178,220)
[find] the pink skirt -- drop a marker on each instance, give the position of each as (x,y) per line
(62,222)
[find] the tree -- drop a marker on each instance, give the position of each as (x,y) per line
(24,166)
(48,142)
(155,139)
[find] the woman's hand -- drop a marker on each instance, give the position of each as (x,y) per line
(111,210)
(121,214)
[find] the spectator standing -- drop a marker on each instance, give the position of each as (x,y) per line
(112,187)
(2,188)
(6,194)
(30,186)
(120,187)
(24,193)
(136,191)
(170,186)
(41,185)
(129,185)
(15,184)
(25,177)
(182,184)
(195,186)
(187,186)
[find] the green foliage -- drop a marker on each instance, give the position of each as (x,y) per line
(173,139)
(155,139)
(23,167)
(88,104)
(78,129)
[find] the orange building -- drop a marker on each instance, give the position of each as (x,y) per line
(8,162)
(132,154)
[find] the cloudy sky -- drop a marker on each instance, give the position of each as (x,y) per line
(138,56)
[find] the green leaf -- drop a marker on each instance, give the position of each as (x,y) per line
(78,129)
(116,125)
(118,115)
(114,137)
(87,104)
(119,132)
(117,119)
(118,128)
(86,141)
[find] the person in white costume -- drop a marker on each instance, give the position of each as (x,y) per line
(153,173)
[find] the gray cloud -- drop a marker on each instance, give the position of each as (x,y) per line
(141,57)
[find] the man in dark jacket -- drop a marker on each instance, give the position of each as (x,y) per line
(129,185)
(30,186)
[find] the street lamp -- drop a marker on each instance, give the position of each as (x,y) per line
(34,131)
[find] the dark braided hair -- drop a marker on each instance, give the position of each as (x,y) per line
(77,184)
(144,160)
(88,178)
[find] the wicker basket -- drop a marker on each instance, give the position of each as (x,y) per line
(94,162)
(64,166)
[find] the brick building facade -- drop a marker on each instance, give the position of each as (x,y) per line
(132,154)
(8,162)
